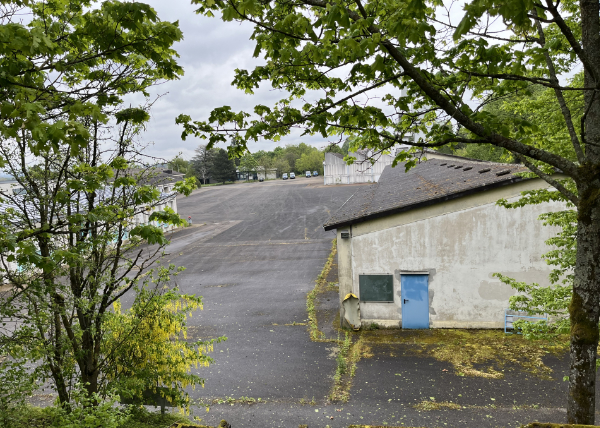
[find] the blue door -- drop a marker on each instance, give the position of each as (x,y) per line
(415,301)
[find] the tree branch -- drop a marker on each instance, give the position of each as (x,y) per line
(559,95)
(548,179)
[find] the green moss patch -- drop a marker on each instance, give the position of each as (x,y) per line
(482,353)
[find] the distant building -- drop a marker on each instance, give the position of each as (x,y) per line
(255,175)
(11,187)
(164,181)
(336,171)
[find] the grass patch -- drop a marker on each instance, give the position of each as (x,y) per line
(229,400)
(437,405)
(349,354)
(321,286)
(481,353)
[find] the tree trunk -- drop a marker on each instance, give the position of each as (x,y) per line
(584,310)
(89,361)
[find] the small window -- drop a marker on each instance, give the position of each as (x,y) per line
(376,288)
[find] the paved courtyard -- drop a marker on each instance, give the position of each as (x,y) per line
(254,253)
(254,259)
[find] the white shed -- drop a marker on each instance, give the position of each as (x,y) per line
(419,249)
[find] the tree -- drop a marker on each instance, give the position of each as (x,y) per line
(334,148)
(73,58)
(433,69)
(157,319)
(312,161)
(70,245)
(73,245)
(346,146)
(282,166)
(222,168)
(248,164)
(202,162)
(265,163)
(181,165)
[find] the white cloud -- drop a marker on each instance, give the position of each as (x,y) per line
(210,53)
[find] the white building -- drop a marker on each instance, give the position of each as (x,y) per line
(164,180)
(419,249)
(337,171)
(255,175)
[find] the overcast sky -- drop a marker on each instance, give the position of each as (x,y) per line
(210,53)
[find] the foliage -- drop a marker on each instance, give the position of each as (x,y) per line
(482,152)
(66,59)
(222,168)
(185,187)
(334,148)
(202,163)
(181,165)
(138,417)
(142,418)
(282,166)
(264,163)
(554,300)
(248,163)
(148,343)
(17,382)
(542,110)
(88,411)
(312,161)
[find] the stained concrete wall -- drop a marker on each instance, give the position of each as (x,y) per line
(460,244)
(336,171)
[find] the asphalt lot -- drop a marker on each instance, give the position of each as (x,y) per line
(254,259)
(254,253)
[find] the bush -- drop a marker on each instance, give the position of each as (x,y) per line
(88,412)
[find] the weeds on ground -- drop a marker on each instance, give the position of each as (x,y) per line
(317,335)
(349,354)
(431,404)
(372,326)
(229,400)
(482,353)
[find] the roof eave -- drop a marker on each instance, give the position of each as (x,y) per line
(429,202)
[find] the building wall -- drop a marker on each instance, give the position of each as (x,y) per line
(460,244)
(271,174)
(336,171)
(10,186)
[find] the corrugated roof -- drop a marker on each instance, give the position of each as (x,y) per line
(428,183)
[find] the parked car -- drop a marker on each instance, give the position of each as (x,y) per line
(261,179)
(284,176)
(315,173)
(308,174)
(292,175)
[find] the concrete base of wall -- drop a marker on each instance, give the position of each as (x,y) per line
(466,324)
(380,323)
(436,324)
